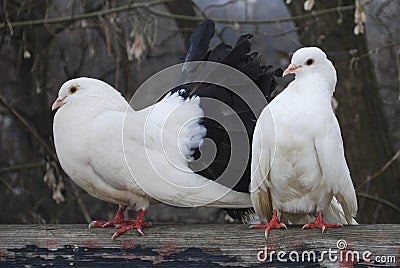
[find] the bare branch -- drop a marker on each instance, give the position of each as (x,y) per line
(231,2)
(25,124)
(268,21)
(23,166)
(82,207)
(148,6)
(7,18)
(203,13)
(28,207)
(380,171)
(83,15)
(376,50)
(379,200)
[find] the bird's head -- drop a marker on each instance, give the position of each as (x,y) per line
(81,88)
(312,60)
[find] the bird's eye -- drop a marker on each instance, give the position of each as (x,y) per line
(309,62)
(73,89)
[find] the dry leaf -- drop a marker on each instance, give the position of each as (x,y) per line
(308,4)
(137,48)
(359,18)
(27,54)
(54,181)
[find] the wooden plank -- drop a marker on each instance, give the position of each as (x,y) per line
(207,245)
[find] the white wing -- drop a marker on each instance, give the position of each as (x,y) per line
(107,161)
(106,148)
(333,164)
(260,166)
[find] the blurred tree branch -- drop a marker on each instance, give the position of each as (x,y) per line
(178,17)
(376,50)
(313,14)
(183,7)
(380,200)
(23,166)
(82,16)
(27,207)
(25,124)
(205,17)
(380,171)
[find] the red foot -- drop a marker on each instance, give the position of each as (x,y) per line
(273,224)
(319,223)
(138,224)
(118,220)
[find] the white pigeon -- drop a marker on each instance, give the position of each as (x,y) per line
(130,157)
(298,167)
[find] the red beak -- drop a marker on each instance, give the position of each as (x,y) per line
(291,68)
(57,103)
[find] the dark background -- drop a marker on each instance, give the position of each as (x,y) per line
(54,42)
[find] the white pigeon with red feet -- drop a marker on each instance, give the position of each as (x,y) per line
(298,168)
(114,152)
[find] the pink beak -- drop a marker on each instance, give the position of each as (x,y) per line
(290,69)
(58,103)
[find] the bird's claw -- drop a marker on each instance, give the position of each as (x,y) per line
(117,220)
(321,226)
(122,228)
(96,224)
(140,231)
(273,224)
(112,223)
(319,223)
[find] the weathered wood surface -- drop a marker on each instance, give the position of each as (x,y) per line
(191,245)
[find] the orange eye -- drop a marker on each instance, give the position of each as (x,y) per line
(73,89)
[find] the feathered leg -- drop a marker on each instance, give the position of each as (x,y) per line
(273,224)
(319,223)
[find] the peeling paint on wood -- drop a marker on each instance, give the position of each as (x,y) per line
(192,245)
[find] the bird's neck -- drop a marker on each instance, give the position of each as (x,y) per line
(314,84)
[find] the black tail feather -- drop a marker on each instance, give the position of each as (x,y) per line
(219,52)
(240,213)
(241,58)
(199,41)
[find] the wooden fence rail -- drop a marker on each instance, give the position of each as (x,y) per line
(206,245)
